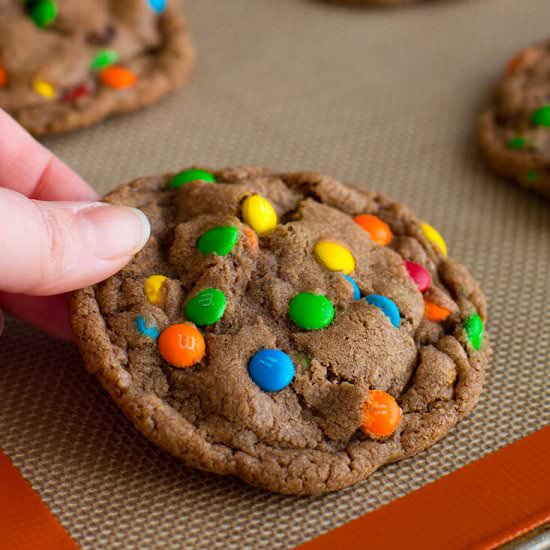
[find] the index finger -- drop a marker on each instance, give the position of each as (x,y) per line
(29,168)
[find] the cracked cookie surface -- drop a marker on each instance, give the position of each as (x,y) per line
(308,437)
(67,64)
(514,134)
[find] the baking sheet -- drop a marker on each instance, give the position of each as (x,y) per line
(382,97)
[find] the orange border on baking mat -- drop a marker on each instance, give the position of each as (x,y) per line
(481,506)
(26,523)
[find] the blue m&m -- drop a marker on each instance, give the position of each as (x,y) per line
(387,306)
(356,291)
(150,331)
(157,5)
(271,369)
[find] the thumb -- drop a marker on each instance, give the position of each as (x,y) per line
(53,247)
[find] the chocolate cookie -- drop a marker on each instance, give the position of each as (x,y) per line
(285,328)
(66,64)
(514,133)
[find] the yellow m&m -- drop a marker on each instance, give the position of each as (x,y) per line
(153,288)
(44,88)
(434,237)
(259,214)
(334,256)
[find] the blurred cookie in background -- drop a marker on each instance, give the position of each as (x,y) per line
(67,64)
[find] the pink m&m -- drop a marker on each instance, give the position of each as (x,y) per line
(419,275)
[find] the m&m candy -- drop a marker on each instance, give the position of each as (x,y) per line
(517,143)
(187,176)
(3,77)
(334,256)
(271,369)
(42,12)
(153,286)
(117,77)
(420,275)
(149,331)
(103,59)
(387,306)
(532,176)
(378,230)
(434,237)
(219,240)
(381,414)
(157,5)
(252,238)
(182,345)
(45,89)
(356,291)
(522,59)
(259,214)
(434,312)
(474,330)
(102,37)
(541,117)
(81,90)
(207,307)
(302,360)
(311,311)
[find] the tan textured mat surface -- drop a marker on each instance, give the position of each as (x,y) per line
(384,97)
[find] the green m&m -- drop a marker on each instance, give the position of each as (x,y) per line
(311,311)
(218,240)
(473,327)
(517,143)
(532,176)
(104,58)
(541,117)
(181,178)
(42,12)
(207,307)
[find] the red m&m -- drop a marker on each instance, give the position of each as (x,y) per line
(81,90)
(419,275)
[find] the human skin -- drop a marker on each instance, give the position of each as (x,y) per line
(55,235)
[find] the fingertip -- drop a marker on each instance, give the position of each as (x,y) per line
(111,232)
(49,313)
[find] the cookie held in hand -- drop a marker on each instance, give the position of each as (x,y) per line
(514,134)
(287,329)
(67,65)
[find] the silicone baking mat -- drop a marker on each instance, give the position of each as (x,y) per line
(383,97)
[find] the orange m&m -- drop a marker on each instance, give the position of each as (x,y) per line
(524,58)
(381,414)
(3,77)
(182,345)
(379,230)
(433,312)
(252,238)
(117,77)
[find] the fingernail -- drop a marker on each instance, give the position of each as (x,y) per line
(111,232)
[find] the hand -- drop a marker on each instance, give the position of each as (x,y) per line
(48,245)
